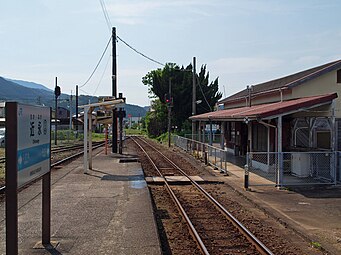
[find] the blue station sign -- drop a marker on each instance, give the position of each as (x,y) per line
(34,142)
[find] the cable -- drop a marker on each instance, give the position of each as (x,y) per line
(107,19)
(97,63)
(105,13)
(140,53)
(202,92)
(84,91)
(102,75)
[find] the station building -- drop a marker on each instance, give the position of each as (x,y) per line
(300,112)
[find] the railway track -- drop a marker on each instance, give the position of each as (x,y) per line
(215,230)
(61,149)
(64,159)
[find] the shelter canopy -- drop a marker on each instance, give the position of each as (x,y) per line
(266,111)
(107,105)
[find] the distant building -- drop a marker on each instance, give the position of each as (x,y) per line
(2,114)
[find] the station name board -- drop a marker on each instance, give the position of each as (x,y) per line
(33,142)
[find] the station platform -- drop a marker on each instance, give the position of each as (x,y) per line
(314,212)
(106,211)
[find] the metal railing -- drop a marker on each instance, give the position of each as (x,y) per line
(211,155)
(216,138)
(270,168)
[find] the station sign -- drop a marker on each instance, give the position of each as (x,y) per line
(28,157)
(33,142)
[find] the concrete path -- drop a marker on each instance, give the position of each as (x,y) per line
(107,211)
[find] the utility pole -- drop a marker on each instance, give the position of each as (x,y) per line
(169,106)
(114,91)
(57,94)
(71,111)
(194,98)
(76,111)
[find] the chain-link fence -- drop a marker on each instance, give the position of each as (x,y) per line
(270,168)
(291,168)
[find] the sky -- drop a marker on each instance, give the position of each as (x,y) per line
(241,42)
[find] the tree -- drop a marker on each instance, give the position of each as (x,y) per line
(156,120)
(181,80)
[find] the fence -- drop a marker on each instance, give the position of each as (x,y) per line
(205,137)
(216,157)
(270,168)
(292,168)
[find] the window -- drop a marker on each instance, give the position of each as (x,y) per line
(323,139)
(338,76)
(259,138)
(233,132)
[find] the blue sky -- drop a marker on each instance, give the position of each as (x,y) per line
(241,42)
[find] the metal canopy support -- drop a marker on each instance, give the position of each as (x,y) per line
(333,142)
(222,137)
(90,137)
(211,134)
(88,115)
(87,138)
(86,109)
(249,135)
(333,128)
(280,153)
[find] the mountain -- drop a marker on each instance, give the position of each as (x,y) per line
(135,110)
(146,108)
(12,91)
(29,84)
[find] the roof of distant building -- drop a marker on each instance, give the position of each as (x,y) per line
(287,81)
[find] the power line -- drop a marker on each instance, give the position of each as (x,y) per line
(107,19)
(87,93)
(105,13)
(97,63)
(106,65)
(140,53)
(202,92)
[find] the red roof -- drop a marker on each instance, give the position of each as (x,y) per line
(267,110)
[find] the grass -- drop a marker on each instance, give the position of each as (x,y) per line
(130,131)
(316,245)
(96,137)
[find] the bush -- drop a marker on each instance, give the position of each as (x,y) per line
(163,138)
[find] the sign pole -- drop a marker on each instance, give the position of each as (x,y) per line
(11,179)
(28,157)
(46,209)
(46,201)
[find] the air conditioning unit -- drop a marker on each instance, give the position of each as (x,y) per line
(300,164)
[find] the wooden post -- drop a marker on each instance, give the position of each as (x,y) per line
(11,177)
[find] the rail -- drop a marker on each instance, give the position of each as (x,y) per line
(256,242)
(99,144)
